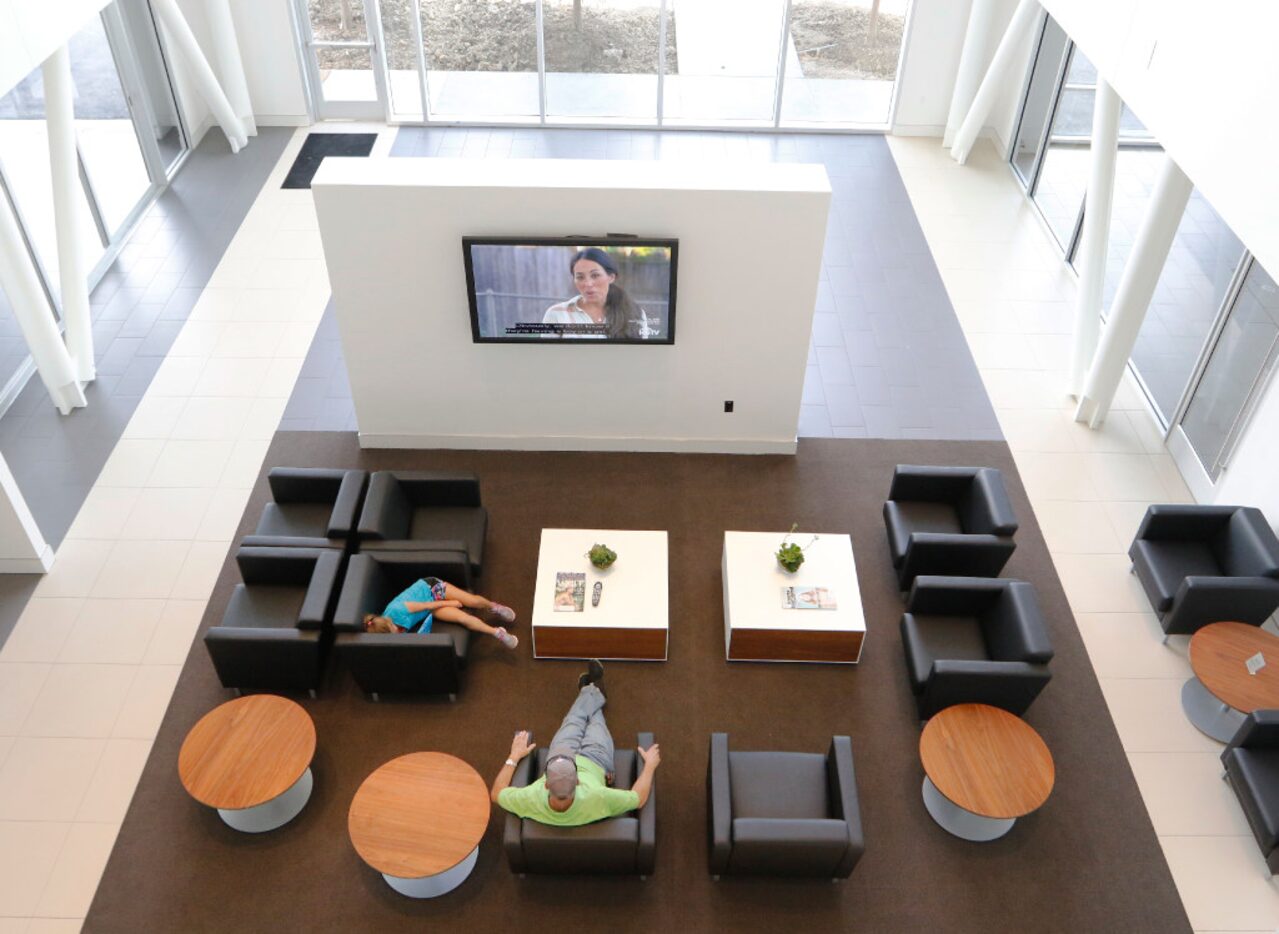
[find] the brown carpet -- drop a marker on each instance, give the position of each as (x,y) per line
(1087,861)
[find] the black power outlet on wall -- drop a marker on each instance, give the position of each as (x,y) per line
(728,405)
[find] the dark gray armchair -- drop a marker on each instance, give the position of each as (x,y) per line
(420,510)
(273,633)
(1251,761)
(311,507)
(406,662)
(1205,564)
(617,846)
(948,520)
(974,640)
(783,813)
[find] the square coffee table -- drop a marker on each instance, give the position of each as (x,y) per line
(631,621)
(758,628)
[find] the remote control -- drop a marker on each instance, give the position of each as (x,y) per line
(595,594)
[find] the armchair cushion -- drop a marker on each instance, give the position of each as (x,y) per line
(778,785)
(928,638)
(1162,565)
(311,507)
(414,510)
(263,607)
(907,517)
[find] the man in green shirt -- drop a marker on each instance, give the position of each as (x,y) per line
(575,789)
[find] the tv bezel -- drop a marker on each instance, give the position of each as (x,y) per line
(476,338)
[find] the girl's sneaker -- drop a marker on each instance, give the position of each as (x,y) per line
(502,612)
(506,638)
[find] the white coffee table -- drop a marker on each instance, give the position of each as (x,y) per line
(631,621)
(758,628)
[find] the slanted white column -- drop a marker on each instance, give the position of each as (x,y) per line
(1136,287)
(23,549)
(34,317)
(179,33)
(972,64)
(1093,239)
(73,271)
(230,67)
(1000,70)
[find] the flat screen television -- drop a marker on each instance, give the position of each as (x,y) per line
(557,290)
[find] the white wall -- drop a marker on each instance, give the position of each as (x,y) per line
(751,242)
(264,29)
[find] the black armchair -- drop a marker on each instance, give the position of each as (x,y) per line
(948,520)
(974,640)
(424,510)
(273,634)
(618,846)
(783,813)
(311,507)
(1251,761)
(1203,564)
(406,662)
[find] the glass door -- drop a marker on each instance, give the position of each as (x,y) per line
(343,60)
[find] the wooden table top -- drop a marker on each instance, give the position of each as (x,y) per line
(1218,653)
(987,760)
(247,751)
(419,815)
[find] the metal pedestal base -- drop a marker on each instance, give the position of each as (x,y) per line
(963,824)
(1207,712)
(436,885)
(275,813)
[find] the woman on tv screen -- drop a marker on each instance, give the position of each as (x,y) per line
(601,309)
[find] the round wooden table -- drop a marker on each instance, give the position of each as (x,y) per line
(419,820)
(983,769)
(251,759)
(1222,690)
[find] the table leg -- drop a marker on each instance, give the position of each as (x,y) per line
(274,813)
(1207,712)
(439,884)
(961,823)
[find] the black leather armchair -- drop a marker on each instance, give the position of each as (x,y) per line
(1204,564)
(406,662)
(273,633)
(783,813)
(974,640)
(618,846)
(311,507)
(1251,761)
(948,520)
(424,510)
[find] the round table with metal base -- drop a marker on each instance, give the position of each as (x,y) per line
(964,824)
(434,886)
(1208,712)
(274,813)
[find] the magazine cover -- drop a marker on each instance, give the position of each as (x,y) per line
(570,591)
(808,598)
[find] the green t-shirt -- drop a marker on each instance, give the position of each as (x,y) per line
(592,799)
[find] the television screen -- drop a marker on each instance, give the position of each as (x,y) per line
(609,290)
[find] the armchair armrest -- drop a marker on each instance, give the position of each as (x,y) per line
(972,555)
(842,788)
(401,568)
(1181,522)
(346,508)
(990,510)
(1259,729)
(265,565)
(386,513)
(953,596)
(513,829)
(407,662)
(1010,685)
(646,852)
(360,594)
(1015,629)
(719,804)
(930,484)
(1203,600)
(321,594)
(304,484)
(440,487)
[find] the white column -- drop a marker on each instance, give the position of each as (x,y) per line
(230,67)
(23,549)
(73,271)
(972,61)
(34,317)
(1136,287)
(1018,31)
(179,33)
(1094,238)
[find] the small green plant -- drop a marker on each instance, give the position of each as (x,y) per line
(790,555)
(601,556)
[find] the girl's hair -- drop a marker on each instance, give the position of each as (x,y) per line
(375,623)
(620,309)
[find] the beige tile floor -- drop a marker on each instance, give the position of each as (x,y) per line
(1014,297)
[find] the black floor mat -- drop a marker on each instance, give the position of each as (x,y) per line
(319,145)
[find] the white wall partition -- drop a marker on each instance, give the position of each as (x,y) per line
(750,252)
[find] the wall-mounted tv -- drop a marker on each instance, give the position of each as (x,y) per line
(555,290)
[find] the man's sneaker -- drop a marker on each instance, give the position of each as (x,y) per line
(502,612)
(594,674)
(506,638)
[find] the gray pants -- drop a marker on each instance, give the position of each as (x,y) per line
(584,732)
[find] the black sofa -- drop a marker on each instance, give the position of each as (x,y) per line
(948,520)
(424,510)
(1203,564)
(783,813)
(311,507)
(618,846)
(400,663)
(1251,761)
(273,633)
(974,640)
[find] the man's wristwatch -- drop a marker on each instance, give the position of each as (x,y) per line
(511,762)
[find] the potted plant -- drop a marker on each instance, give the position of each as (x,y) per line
(602,556)
(789,554)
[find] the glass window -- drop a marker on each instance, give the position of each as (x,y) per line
(161,111)
(402,78)
(1038,106)
(481,59)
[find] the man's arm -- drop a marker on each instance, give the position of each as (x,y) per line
(520,747)
(652,757)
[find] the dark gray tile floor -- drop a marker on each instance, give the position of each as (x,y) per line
(138,309)
(888,357)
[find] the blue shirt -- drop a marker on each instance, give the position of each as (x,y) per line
(398,613)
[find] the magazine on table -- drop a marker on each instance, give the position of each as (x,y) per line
(808,598)
(570,591)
